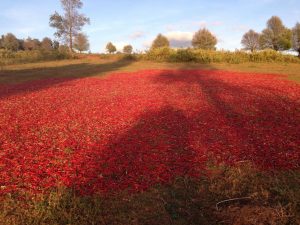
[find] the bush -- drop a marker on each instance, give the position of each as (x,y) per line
(160,54)
(8,57)
(210,56)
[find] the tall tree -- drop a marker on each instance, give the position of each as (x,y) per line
(160,42)
(81,43)
(10,42)
(250,40)
(127,49)
(47,44)
(296,38)
(70,24)
(111,48)
(204,39)
(276,36)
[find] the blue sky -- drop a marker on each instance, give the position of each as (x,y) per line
(137,22)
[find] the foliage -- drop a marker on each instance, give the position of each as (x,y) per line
(276,36)
(31,44)
(127,49)
(47,44)
(204,39)
(160,42)
(209,56)
(296,38)
(70,24)
(10,57)
(81,43)
(10,42)
(110,48)
(250,40)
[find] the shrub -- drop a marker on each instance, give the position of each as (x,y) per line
(8,57)
(210,56)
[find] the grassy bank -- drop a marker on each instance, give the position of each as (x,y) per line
(240,195)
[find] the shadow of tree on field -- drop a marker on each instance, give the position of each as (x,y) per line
(156,149)
(255,123)
(48,76)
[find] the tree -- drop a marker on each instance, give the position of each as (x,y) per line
(1,41)
(296,38)
(55,45)
(31,44)
(250,40)
(10,42)
(276,36)
(47,44)
(81,43)
(204,39)
(111,48)
(127,49)
(71,23)
(160,42)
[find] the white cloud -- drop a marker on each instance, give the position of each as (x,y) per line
(180,38)
(240,28)
(137,35)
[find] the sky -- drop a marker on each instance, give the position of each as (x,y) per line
(137,22)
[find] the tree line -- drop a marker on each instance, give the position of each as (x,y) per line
(69,26)
(275,36)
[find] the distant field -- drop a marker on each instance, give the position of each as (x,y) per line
(149,143)
(95,66)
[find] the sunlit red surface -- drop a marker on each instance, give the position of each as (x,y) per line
(134,130)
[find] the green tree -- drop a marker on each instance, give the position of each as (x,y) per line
(10,42)
(81,43)
(250,40)
(276,36)
(128,49)
(111,48)
(160,42)
(47,44)
(204,39)
(70,24)
(296,38)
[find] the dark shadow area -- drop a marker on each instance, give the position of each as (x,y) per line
(254,123)
(155,150)
(42,78)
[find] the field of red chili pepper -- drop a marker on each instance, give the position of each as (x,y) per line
(130,131)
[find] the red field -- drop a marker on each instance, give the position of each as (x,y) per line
(133,130)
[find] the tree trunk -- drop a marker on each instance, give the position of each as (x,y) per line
(71,42)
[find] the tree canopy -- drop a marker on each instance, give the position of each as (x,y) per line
(296,38)
(276,36)
(81,43)
(111,48)
(70,24)
(204,39)
(250,40)
(127,49)
(160,42)
(10,42)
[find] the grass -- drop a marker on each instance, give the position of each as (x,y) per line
(95,66)
(272,198)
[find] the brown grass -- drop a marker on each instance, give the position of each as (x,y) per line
(274,199)
(98,66)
